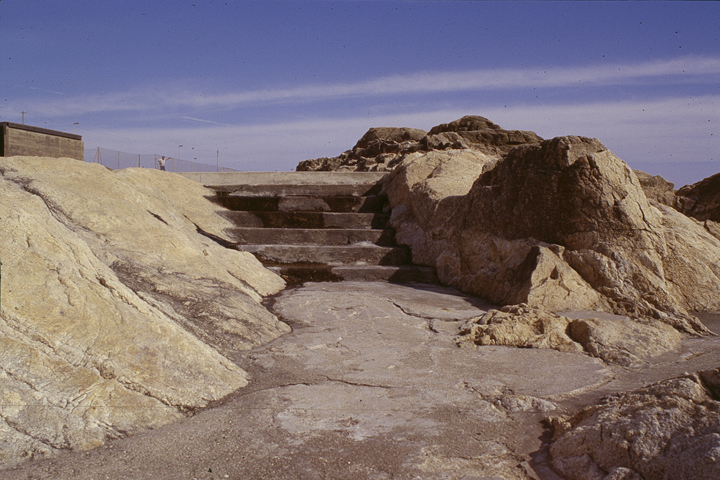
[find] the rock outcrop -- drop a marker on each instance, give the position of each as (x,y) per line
(119,312)
(563,225)
(702,202)
(614,339)
(656,188)
(381,149)
(668,430)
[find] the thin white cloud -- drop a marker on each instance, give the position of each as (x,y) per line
(669,71)
(680,70)
(204,121)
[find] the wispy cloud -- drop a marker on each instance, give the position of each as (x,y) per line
(41,90)
(669,71)
(205,121)
(679,70)
(661,130)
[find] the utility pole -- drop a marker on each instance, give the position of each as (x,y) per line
(218,160)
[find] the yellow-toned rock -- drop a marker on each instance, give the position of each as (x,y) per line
(118,314)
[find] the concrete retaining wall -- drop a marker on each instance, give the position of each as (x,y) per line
(20,139)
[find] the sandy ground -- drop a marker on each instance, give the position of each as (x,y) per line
(371,385)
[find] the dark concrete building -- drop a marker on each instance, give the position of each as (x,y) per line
(17,139)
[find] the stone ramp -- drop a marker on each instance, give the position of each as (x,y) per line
(315,226)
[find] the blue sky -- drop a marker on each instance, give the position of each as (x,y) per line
(269,84)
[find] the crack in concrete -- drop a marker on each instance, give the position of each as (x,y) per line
(358,384)
(400,307)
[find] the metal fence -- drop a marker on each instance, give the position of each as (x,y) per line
(116,160)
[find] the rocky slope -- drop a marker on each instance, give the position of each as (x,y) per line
(555,225)
(380,149)
(563,225)
(118,313)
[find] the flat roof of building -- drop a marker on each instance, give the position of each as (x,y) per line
(46,131)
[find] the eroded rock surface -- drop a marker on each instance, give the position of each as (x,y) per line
(117,313)
(668,430)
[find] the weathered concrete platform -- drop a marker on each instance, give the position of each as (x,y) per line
(371,385)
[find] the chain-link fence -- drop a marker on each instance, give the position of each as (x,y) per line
(116,160)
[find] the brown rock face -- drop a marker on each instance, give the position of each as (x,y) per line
(381,149)
(702,202)
(667,430)
(702,199)
(657,188)
(481,134)
(563,225)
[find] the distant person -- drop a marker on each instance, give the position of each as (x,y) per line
(162,162)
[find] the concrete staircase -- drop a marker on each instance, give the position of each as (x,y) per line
(315,226)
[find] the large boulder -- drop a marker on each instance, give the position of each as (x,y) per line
(562,225)
(119,312)
(381,149)
(668,430)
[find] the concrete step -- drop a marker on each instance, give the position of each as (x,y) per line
(314,226)
(358,273)
(295,190)
(361,254)
(290,183)
(310,236)
(337,203)
(259,219)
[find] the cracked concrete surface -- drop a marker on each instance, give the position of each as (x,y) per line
(370,384)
